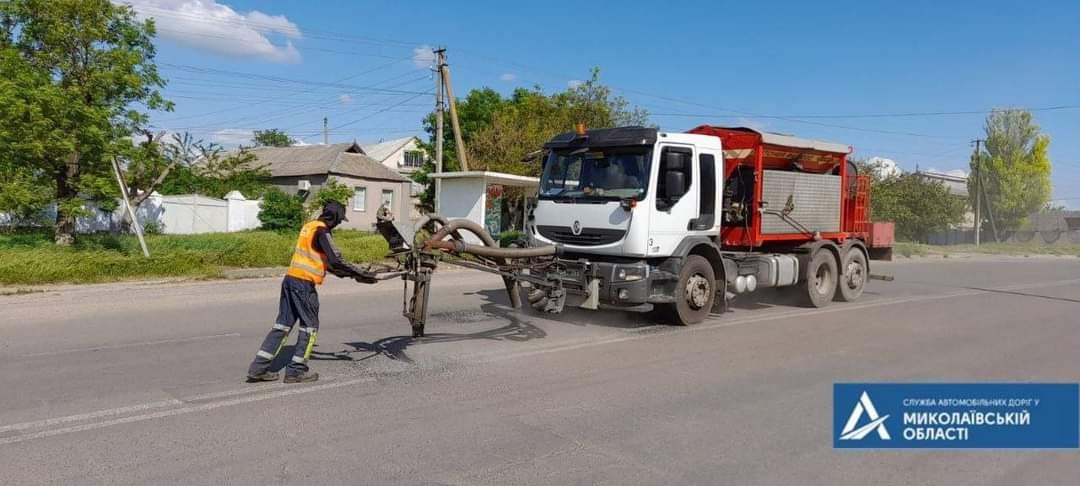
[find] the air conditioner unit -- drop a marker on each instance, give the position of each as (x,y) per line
(303,185)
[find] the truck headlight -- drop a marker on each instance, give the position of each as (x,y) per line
(630,273)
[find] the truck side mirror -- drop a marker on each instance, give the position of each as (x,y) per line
(674,184)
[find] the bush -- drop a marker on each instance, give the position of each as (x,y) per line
(508,237)
(281,211)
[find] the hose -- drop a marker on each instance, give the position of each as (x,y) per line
(497,253)
(490,248)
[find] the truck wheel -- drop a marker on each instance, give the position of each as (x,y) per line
(695,291)
(853,275)
(821,279)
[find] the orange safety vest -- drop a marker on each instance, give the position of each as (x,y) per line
(307,262)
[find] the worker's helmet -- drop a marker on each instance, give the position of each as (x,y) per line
(333,214)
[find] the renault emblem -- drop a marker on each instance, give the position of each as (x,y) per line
(576,228)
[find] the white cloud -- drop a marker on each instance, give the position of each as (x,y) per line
(423,57)
(508,77)
(345,99)
(233,136)
(884,167)
(573,83)
(216,27)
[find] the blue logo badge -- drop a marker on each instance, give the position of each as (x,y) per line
(955,415)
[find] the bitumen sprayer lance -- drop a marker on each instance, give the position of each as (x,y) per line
(447,244)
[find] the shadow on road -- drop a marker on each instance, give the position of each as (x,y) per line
(394,347)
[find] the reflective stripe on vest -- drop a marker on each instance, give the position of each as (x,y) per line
(307,263)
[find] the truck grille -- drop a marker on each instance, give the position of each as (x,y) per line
(588,236)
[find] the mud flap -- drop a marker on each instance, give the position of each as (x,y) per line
(720,302)
(592,302)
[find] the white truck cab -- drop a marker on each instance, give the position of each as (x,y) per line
(606,197)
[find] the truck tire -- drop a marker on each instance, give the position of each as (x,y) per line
(694,293)
(853,275)
(821,279)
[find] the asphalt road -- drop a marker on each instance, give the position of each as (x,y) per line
(142,384)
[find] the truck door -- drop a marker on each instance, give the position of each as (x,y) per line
(709,191)
(676,201)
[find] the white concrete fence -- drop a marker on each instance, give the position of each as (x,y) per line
(184,214)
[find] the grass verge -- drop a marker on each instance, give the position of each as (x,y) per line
(30,258)
(1035,248)
(909,249)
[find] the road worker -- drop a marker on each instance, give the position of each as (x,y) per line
(314,256)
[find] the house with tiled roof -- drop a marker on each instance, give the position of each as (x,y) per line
(305,169)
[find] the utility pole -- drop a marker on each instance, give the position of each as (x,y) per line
(444,70)
(127,205)
(440,61)
(325,132)
(978,189)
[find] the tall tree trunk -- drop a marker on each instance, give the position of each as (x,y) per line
(65,221)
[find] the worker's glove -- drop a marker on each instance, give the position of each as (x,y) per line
(364,279)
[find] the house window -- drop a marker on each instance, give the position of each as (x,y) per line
(387,198)
(359,200)
(414,158)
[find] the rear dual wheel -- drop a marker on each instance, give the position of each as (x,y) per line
(821,279)
(854,273)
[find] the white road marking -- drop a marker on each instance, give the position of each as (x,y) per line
(132,345)
(90,415)
(297,390)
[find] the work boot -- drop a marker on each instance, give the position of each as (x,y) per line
(264,376)
(302,378)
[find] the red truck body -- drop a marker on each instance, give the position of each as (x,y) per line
(747,149)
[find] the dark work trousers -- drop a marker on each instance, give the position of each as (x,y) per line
(298,301)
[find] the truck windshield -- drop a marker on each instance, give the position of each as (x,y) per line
(593,173)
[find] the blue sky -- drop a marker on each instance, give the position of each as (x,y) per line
(795,67)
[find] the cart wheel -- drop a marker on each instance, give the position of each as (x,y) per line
(853,275)
(819,287)
(537,299)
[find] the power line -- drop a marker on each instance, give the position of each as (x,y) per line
(379,112)
(248,76)
(303,82)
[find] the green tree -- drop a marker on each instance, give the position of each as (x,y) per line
(201,168)
(917,205)
(22,194)
(333,190)
(272,138)
(79,77)
(1014,168)
(499,132)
